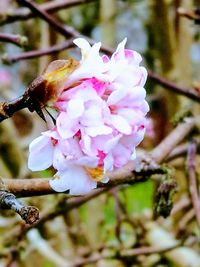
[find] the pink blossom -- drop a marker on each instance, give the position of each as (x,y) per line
(5,77)
(150,128)
(100,120)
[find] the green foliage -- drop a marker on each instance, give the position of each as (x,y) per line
(139,197)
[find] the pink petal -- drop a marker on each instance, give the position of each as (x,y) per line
(105,58)
(121,155)
(119,53)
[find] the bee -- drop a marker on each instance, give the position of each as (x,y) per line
(45,89)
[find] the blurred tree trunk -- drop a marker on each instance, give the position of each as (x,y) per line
(108,24)
(184,44)
(44,43)
(162,57)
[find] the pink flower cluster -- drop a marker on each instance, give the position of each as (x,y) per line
(100,120)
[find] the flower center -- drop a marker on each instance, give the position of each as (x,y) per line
(95,173)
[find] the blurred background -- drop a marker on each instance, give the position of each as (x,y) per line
(122,219)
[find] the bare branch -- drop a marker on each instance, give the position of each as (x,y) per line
(62,206)
(122,254)
(147,250)
(26,187)
(66,31)
(33,187)
(190,14)
(186,218)
(191,168)
(180,150)
(14,39)
(38,53)
(29,214)
(8,109)
(189,92)
(53,6)
(57,26)
(173,139)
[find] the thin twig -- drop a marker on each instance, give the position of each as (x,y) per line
(29,214)
(185,219)
(181,204)
(189,92)
(62,206)
(173,139)
(180,151)
(70,204)
(57,26)
(123,254)
(14,39)
(147,251)
(53,6)
(191,168)
(75,202)
(66,31)
(70,32)
(38,53)
(190,14)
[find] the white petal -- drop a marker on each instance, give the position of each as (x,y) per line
(138,137)
(66,127)
(144,107)
(137,58)
(121,155)
(99,130)
(116,96)
(92,116)
(91,162)
(120,124)
(75,108)
(41,154)
(137,93)
(52,133)
(74,179)
(85,92)
(120,50)
(86,144)
(133,155)
(108,163)
(60,184)
(59,159)
(144,76)
(83,45)
(132,116)
(111,143)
